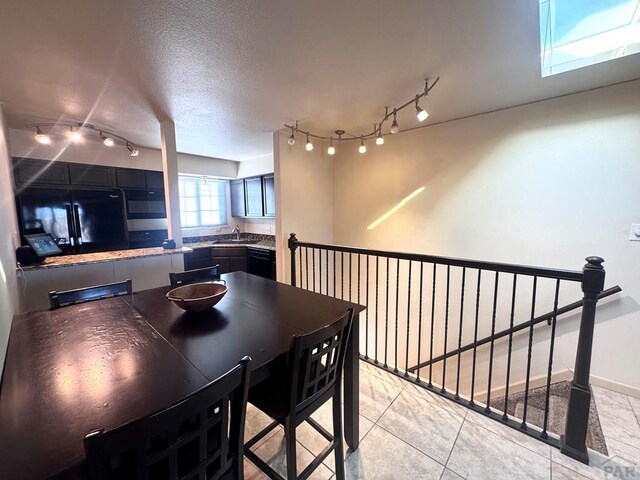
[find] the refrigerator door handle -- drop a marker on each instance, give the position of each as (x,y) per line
(78,225)
(71,226)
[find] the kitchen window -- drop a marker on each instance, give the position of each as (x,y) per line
(203,201)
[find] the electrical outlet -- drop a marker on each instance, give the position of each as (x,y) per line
(634,232)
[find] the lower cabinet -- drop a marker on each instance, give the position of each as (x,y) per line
(233,259)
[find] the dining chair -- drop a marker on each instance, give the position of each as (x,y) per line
(88,294)
(197,275)
(313,376)
(199,437)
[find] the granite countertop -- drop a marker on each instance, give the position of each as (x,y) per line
(99,257)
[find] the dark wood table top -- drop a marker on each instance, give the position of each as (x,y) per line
(105,363)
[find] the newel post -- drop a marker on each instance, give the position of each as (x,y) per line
(574,440)
(293,244)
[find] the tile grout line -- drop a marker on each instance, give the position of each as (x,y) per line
(454,446)
(633,410)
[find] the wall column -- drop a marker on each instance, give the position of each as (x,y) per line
(170,170)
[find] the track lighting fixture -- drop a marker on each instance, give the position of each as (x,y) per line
(331,150)
(75,133)
(394,126)
(379,138)
(362,148)
(420,113)
(108,141)
(42,138)
(376,133)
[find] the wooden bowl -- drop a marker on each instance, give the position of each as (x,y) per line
(197,297)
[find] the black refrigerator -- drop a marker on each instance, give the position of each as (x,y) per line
(80,221)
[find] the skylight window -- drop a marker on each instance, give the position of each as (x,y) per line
(578,33)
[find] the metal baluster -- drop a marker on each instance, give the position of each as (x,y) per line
(350,262)
(359,275)
(464,273)
(551,346)
(376,353)
(433,315)
(475,340)
(306,254)
(406,363)
(320,270)
(446,332)
(334,273)
(493,332)
(341,275)
(326,266)
(313,266)
(511,318)
(386,322)
(395,366)
(300,264)
(526,388)
(420,322)
(366,313)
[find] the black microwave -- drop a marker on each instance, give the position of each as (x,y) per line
(145,204)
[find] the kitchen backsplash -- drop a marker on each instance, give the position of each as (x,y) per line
(230,236)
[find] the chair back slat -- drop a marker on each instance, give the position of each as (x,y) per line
(194,276)
(89,294)
(199,437)
(317,361)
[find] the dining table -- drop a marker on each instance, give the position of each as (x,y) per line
(102,364)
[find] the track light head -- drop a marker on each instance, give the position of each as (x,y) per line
(292,138)
(379,137)
(74,135)
(420,113)
(362,148)
(134,151)
(394,126)
(108,141)
(331,150)
(309,145)
(42,138)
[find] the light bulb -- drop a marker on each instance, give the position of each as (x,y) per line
(134,151)
(422,114)
(362,148)
(292,139)
(331,150)
(74,135)
(42,138)
(309,145)
(108,141)
(394,126)
(379,140)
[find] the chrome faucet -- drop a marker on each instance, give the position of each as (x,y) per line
(236,230)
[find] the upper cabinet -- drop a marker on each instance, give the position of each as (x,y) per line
(31,171)
(44,172)
(253,197)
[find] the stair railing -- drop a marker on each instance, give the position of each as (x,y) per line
(413,342)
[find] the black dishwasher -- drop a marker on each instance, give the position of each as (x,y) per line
(261,262)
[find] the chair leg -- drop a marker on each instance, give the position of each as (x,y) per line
(290,441)
(338,437)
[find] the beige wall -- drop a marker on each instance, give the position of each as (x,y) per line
(545,184)
(8,284)
(304,182)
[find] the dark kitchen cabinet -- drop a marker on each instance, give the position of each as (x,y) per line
(253,197)
(230,259)
(269,196)
(91,175)
(238,206)
(253,192)
(155,180)
(130,178)
(44,172)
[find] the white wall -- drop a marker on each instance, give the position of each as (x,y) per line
(544,184)
(8,284)
(304,182)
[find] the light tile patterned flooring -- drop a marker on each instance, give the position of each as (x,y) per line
(409,433)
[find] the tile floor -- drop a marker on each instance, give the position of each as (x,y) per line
(409,433)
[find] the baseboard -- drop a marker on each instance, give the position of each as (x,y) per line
(615,386)
(534,382)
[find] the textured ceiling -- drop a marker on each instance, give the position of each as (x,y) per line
(230,72)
